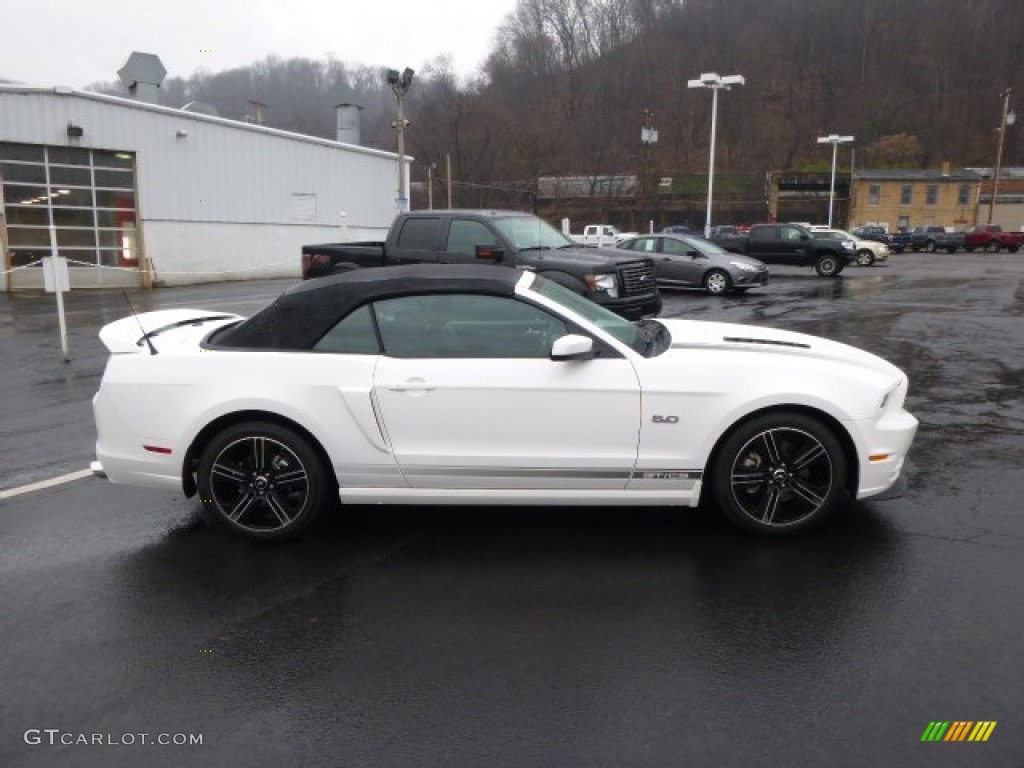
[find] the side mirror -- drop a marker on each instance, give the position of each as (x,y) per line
(572,347)
(693,254)
(805,238)
(489,253)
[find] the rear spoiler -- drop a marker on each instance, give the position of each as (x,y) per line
(131,335)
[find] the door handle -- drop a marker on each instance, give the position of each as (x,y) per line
(414,385)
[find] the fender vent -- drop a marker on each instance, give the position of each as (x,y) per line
(740,340)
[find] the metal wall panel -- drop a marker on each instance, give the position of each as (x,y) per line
(193,168)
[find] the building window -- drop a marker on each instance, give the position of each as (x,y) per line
(906,194)
(87,195)
(931,194)
(963,195)
(874,194)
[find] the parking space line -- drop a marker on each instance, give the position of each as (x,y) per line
(43,484)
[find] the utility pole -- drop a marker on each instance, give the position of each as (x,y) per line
(1009,118)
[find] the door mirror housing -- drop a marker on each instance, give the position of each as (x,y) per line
(572,347)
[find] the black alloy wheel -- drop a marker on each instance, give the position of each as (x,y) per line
(779,474)
(262,480)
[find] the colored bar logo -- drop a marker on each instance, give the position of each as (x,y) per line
(959,730)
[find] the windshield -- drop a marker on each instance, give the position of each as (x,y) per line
(525,232)
(647,337)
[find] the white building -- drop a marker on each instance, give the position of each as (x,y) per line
(135,193)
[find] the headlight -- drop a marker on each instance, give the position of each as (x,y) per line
(604,283)
(744,267)
(849,245)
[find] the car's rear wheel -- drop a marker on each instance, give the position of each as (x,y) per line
(778,474)
(828,266)
(865,258)
(717,282)
(262,480)
(993,247)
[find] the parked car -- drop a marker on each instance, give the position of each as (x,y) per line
(682,261)
(897,241)
(601,235)
(487,385)
(681,229)
(867,251)
(934,238)
(992,238)
(513,239)
(791,244)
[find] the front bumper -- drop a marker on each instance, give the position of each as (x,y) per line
(890,437)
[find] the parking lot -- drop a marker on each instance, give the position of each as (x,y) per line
(530,637)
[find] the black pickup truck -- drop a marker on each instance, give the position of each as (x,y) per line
(932,239)
(794,245)
(623,283)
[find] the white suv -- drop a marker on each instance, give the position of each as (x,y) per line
(868,251)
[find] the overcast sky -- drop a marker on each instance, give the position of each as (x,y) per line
(79,42)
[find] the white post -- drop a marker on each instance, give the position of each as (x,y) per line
(832,185)
(55,277)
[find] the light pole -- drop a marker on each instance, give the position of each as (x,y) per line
(835,140)
(716,83)
(1009,118)
(400,82)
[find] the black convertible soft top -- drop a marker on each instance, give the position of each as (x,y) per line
(304,313)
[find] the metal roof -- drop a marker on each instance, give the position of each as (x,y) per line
(916,174)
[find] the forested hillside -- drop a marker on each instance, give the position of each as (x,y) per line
(918,82)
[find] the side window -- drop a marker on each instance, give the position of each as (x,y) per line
(764,233)
(419,234)
(644,244)
(465,235)
(790,233)
(353,335)
(465,326)
(677,247)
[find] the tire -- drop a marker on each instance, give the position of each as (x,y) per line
(930,246)
(1013,249)
(779,474)
(993,247)
(828,265)
(865,258)
(717,282)
(262,480)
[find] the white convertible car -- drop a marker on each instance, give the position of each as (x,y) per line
(486,385)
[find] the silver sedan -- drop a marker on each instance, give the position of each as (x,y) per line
(682,261)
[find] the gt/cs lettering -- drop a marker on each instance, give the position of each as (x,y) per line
(665,419)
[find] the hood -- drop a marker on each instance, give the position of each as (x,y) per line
(128,335)
(698,334)
(585,256)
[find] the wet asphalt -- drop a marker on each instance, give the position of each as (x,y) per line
(531,637)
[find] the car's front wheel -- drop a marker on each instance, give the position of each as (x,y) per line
(828,266)
(262,480)
(865,258)
(778,474)
(717,282)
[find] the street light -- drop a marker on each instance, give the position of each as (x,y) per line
(835,140)
(716,83)
(1009,118)
(400,82)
